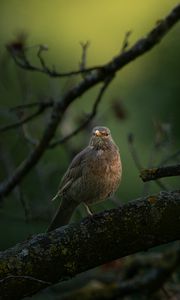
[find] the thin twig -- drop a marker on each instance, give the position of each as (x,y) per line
(134,152)
(161,185)
(41,109)
(171,157)
(137,160)
(41,59)
(166,293)
(126,41)
(47,104)
(24,63)
(25,205)
(84,46)
(88,120)
(28,136)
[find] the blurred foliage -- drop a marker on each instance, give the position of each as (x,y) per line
(143,98)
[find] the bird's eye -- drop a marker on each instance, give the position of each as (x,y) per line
(100,133)
(105,133)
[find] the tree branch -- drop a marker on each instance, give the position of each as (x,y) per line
(133,151)
(22,61)
(24,106)
(42,106)
(137,161)
(89,81)
(144,283)
(173,156)
(82,64)
(155,173)
(88,119)
(72,249)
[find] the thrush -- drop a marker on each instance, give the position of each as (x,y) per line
(93,175)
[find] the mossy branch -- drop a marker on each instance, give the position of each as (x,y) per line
(155,173)
(61,254)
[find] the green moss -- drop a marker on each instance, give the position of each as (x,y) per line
(3,268)
(70,267)
(53,249)
(148,173)
(152,199)
(64,250)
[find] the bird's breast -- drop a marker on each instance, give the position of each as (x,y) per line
(99,153)
(102,175)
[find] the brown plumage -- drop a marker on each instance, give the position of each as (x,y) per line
(93,175)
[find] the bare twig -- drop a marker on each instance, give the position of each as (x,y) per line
(89,118)
(126,41)
(137,162)
(42,107)
(28,136)
(155,173)
(166,293)
(171,157)
(140,47)
(84,46)
(41,59)
(25,205)
(20,122)
(47,104)
(134,152)
(161,185)
(25,64)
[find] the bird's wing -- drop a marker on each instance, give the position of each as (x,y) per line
(75,169)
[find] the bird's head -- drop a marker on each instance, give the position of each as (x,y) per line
(101,137)
(101,132)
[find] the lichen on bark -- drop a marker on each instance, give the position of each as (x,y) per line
(48,258)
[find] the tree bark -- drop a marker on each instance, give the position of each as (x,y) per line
(61,254)
(156,173)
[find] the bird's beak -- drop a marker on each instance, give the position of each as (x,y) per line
(97,133)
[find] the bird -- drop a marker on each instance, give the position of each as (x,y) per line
(93,176)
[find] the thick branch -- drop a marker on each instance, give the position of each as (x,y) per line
(155,173)
(89,81)
(70,250)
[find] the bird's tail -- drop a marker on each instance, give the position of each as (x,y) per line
(63,214)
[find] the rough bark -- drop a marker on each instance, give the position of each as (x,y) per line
(48,258)
(155,173)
